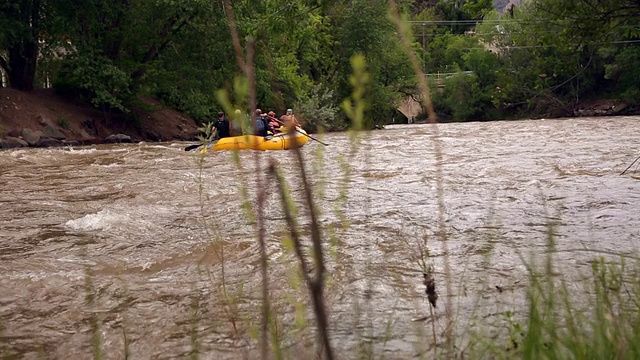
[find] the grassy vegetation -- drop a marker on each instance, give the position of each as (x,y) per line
(597,318)
(600,321)
(558,322)
(63,122)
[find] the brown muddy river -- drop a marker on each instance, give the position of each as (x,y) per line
(123,248)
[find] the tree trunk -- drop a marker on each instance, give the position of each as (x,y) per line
(22,65)
(23,53)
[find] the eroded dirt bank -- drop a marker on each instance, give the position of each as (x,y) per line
(44,119)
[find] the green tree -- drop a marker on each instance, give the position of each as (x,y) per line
(462,14)
(607,33)
(364,28)
(464,98)
(116,44)
(22,23)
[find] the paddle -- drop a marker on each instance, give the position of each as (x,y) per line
(195,146)
(634,161)
(192,147)
(300,132)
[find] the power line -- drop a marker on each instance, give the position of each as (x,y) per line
(486,21)
(470,22)
(507,47)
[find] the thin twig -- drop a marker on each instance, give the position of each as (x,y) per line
(433,332)
(262,195)
(291,222)
(234,35)
(315,284)
(634,161)
(246,66)
(437,145)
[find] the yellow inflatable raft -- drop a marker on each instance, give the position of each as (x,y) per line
(280,141)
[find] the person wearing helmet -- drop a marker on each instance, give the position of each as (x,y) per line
(235,126)
(261,124)
(289,120)
(273,122)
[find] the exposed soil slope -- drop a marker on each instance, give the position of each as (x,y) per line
(45,119)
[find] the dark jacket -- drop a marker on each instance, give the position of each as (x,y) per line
(262,126)
(222,125)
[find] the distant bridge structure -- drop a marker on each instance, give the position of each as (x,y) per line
(410,106)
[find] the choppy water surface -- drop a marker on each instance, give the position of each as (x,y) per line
(125,237)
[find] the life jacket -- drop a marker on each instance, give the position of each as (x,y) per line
(275,126)
(261,126)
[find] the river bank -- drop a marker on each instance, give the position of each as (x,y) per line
(42,118)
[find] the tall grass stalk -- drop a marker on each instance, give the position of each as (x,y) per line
(217,246)
(246,66)
(94,322)
(437,144)
(124,308)
(314,283)
(554,326)
(193,330)
(602,322)
(262,195)
(5,352)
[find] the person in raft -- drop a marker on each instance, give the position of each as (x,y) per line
(222,126)
(289,120)
(237,124)
(273,122)
(261,127)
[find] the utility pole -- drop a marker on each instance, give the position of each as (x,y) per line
(424,50)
